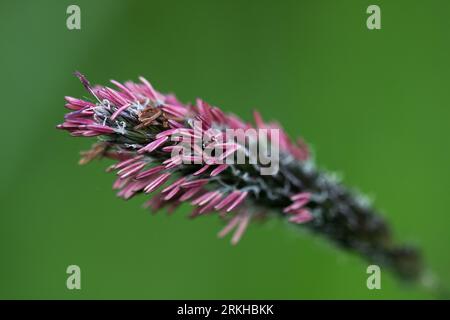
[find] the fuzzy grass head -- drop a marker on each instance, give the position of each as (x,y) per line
(220,164)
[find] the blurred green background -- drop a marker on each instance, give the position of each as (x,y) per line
(373,104)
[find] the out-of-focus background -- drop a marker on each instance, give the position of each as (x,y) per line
(375,105)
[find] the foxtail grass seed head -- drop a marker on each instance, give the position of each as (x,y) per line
(198,154)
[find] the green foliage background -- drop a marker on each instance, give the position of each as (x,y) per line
(374,105)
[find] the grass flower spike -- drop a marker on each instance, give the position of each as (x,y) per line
(199,154)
